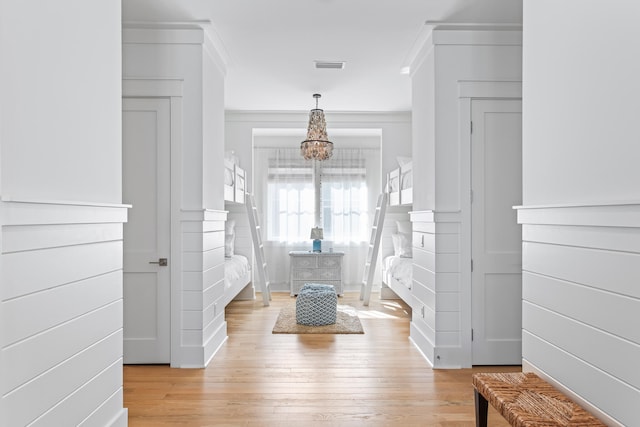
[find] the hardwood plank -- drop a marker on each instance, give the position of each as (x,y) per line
(262,379)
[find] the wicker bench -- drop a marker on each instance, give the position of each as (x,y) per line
(526,400)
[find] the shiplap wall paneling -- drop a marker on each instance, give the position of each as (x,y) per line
(449,337)
(437,310)
(574,277)
(214,324)
(203,325)
(76,291)
(423,322)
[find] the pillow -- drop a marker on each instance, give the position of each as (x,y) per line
(393,184)
(407,180)
(403,161)
(404,227)
(229,242)
(229,237)
(228,176)
(402,245)
(231,156)
(229,226)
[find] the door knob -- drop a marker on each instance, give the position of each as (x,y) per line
(162,262)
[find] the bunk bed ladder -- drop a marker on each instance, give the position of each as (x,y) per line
(374,246)
(258,248)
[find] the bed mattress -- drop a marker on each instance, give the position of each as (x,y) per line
(400,268)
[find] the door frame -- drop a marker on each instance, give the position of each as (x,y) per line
(171,89)
(494,267)
(468,91)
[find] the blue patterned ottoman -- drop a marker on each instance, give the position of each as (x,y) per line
(316,305)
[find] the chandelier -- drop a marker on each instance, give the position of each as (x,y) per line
(317,145)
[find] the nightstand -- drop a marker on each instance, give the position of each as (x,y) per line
(315,267)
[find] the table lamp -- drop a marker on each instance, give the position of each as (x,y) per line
(317,236)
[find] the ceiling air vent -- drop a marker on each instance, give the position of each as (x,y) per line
(333,65)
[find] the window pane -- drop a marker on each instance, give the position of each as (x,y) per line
(290,197)
(289,211)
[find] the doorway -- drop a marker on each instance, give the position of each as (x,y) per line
(146,153)
(496,237)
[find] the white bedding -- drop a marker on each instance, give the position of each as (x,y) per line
(399,268)
(235,267)
(400,184)
(393,184)
(230,160)
(228,176)
(407,180)
(234,179)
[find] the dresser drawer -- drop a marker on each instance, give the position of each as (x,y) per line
(304,262)
(316,274)
(329,262)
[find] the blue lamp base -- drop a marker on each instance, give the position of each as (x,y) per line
(317,245)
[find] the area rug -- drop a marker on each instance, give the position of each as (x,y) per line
(347,322)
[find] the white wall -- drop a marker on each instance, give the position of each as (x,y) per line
(61,218)
(581,255)
(392,133)
(395,131)
(450,58)
(465,56)
(60,65)
(587,81)
(423,91)
(170,53)
(184,52)
(213,128)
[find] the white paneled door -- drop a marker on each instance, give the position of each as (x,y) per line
(496,247)
(146,185)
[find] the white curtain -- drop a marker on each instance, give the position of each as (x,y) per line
(347,184)
(288,197)
(285,195)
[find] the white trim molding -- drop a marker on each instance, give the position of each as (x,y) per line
(615,214)
(442,33)
(203,215)
(489,89)
(173,89)
(451,35)
(179,32)
(164,34)
(151,87)
(31,212)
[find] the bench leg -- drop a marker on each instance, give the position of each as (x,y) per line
(481,409)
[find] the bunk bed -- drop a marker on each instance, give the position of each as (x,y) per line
(237,268)
(234,179)
(397,261)
(400,184)
(397,269)
(237,276)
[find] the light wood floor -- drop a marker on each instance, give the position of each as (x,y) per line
(262,379)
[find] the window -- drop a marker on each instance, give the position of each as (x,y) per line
(290,202)
(345,202)
(290,195)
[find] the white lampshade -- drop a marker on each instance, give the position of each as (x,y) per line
(317,233)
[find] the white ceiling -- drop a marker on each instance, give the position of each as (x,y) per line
(270,45)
